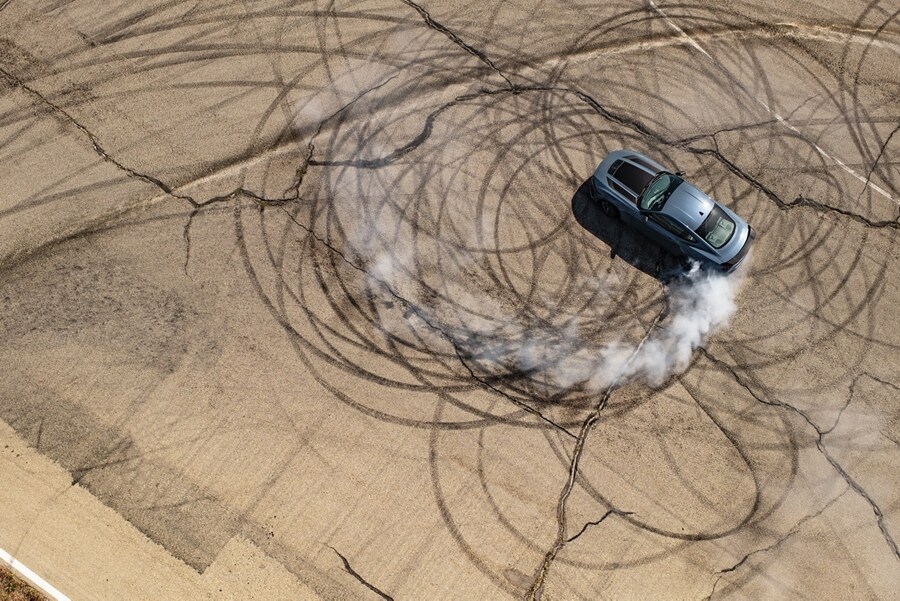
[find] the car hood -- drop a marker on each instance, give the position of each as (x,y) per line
(691,206)
(688,205)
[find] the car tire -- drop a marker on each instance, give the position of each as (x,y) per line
(608,209)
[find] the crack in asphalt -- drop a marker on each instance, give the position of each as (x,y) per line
(880,381)
(165,188)
(724,130)
(802,201)
(820,445)
(240,192)
(537,585)
(721,573)
(487,384)
(597,522)
(362,580)
(429,20)
(95,142)
(294,189)
(196,205)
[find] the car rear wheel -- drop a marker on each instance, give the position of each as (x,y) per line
(608,209)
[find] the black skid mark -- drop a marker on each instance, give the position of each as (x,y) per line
(412,310)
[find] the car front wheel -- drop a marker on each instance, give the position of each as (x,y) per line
(609,209)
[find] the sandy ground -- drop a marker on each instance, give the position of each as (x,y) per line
(262,266)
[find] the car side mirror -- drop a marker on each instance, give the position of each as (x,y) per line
(679,173)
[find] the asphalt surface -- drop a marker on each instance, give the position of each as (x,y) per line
(267,270)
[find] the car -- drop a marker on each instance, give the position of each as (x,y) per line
(660,203)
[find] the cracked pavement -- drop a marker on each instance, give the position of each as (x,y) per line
(261,264)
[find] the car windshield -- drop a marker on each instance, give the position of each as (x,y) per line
(658,191)
(717,228)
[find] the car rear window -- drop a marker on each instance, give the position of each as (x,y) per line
(633,177)
(717,228)
(615,167)
(642,162)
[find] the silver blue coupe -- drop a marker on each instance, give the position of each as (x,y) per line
(669,210)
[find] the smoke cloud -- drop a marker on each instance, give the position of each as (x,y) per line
(558,356)
(700,303)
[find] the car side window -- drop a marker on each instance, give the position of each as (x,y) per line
(622,189)
(674,227)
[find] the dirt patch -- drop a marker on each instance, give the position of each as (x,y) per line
(13,588)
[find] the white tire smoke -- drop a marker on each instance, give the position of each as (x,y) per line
(699,303)
(558,356)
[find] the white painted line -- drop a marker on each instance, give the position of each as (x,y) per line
(766,106)
(682,32)
(30,576)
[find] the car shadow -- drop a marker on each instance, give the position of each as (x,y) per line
(623,241)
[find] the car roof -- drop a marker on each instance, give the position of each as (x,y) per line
(633,175)
(634,170)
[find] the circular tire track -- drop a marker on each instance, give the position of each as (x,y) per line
(434,218)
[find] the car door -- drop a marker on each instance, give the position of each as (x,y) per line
(671,235)
(627,201)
